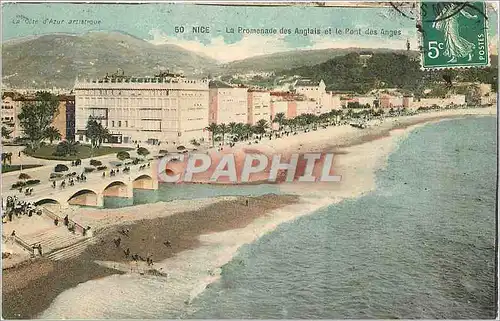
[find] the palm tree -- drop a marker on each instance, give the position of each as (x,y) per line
(239,130)
(279,118)
(232,128)
(247,130)
(66,148)
(6,132)
(223,130)
(213,129)
(261,126)
(52,133)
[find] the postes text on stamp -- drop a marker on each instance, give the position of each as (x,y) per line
(454,34)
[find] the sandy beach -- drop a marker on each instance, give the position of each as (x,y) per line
(199,229)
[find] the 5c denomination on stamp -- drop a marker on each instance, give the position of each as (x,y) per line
(454,35)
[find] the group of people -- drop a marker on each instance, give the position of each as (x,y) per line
(71,181)
(14,206)
(135,257)
(144,166)
(72,225)
(113,172)
(27,191)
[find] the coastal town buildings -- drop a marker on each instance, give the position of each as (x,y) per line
(227,104)
(316,91)
(10,108)
(390,101)
(441,102)
(259,106)
(284,102)
(64,119)
(167,108)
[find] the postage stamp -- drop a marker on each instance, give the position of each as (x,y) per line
(454,34)
(214,160)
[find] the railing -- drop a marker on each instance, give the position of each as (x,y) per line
(78,228)
(23,244)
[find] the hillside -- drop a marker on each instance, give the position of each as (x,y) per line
(386,70)
(292,59)
(56,59)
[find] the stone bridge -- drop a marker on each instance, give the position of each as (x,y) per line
(95,188)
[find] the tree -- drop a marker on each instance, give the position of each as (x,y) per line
(96,132)
(123,155)
(52,133)
(60,168)
(232,128)
(6,132)
(36,116)
(247,130)
(66,148)
(279,118)
(24,176)
(7,157)
(261,126)
(142,151)
(223,128)
(213,129)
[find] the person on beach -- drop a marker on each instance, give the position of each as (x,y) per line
(246,202)
(13,233)
(66,220)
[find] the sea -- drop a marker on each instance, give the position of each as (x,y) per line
(420,245)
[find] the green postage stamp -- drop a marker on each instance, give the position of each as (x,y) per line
(454,34)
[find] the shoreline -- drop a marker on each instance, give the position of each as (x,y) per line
(378,141)
(26,298)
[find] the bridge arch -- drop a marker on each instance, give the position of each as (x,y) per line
(117,189)
(85,197)
(144,181)
(47,201)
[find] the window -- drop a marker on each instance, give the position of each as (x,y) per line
(126,123)
(119,123)
(112,123)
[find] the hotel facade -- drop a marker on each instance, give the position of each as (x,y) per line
(227,104)
(167,109)
(259,106)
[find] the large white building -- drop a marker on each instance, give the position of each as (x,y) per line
(227,104)
(168,108)
(316,91)
(259,106)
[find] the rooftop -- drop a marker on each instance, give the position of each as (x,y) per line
(218,84)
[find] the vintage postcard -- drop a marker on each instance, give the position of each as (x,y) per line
(249,160)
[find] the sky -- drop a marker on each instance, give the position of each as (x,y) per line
(157,22)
